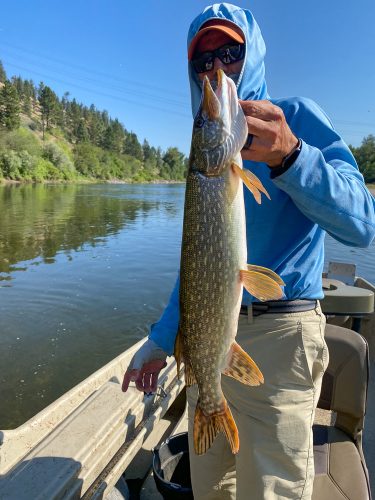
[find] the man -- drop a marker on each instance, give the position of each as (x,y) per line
(315,187)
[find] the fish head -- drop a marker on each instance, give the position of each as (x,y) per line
(220,128)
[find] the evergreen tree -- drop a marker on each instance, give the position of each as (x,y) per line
(132,146)
(95,127)
(49,106)
(175,160)
(3,75)
(18,83)
(114,136)
(149,152)
(82,133)
(9,107)
(73,117)
(28,96)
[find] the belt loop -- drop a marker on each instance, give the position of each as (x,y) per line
(250,319)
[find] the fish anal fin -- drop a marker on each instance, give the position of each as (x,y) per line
(206,428)
(260,285)
(252,182)
(267,272)
(178,349)
(242,367)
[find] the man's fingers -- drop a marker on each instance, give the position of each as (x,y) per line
(154,381)
(258,127)
(129,375)
(146,378)
(139,382)
(252,155)
(147,383)
(264,110)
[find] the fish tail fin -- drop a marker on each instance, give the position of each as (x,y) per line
(251,181)
(206,429)
(242,367)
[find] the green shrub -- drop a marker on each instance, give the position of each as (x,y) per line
(86,160)
(57,156)
(41,169)
(11,166)
(20,140)
(52,172)
(27,165)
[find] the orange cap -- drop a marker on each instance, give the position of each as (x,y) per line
(216,24)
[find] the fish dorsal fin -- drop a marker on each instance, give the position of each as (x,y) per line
(260,285)
(206,429)
(251,181)
(267,272)
(241,367)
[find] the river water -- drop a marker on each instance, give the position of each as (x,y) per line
(84,269)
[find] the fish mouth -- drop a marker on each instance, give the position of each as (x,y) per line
(210,102)
(218,131)
(217,105)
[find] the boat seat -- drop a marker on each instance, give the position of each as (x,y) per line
(340,467)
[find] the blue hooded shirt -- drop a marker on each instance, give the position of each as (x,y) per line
(323,191)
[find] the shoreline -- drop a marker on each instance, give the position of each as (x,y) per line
(11,182)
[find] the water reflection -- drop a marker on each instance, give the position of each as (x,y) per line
(85,270)
(41,220)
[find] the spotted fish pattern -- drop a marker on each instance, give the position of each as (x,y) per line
(213,263)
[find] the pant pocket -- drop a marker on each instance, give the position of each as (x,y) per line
(315,349)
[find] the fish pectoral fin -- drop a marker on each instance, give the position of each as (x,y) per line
(242,367)
(206,429)
(252,182)
(267,272)
(178,348)
(262,286)
(189,374)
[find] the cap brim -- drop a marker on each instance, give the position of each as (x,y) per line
(235,35)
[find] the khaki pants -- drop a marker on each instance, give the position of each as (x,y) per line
(274,420)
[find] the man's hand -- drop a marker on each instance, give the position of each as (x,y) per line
(144,368)
(273,139)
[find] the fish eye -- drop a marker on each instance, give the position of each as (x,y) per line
(199,122)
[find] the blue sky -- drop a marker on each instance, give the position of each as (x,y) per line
(130,57)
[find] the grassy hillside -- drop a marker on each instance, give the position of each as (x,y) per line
(45,138)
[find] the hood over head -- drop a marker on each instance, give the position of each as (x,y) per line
(251,83)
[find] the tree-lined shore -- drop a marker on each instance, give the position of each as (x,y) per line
(46,138)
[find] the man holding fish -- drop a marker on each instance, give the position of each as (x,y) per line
(250,418)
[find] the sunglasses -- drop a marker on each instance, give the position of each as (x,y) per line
(228,53)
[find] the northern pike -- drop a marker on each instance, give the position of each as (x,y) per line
(214,262)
